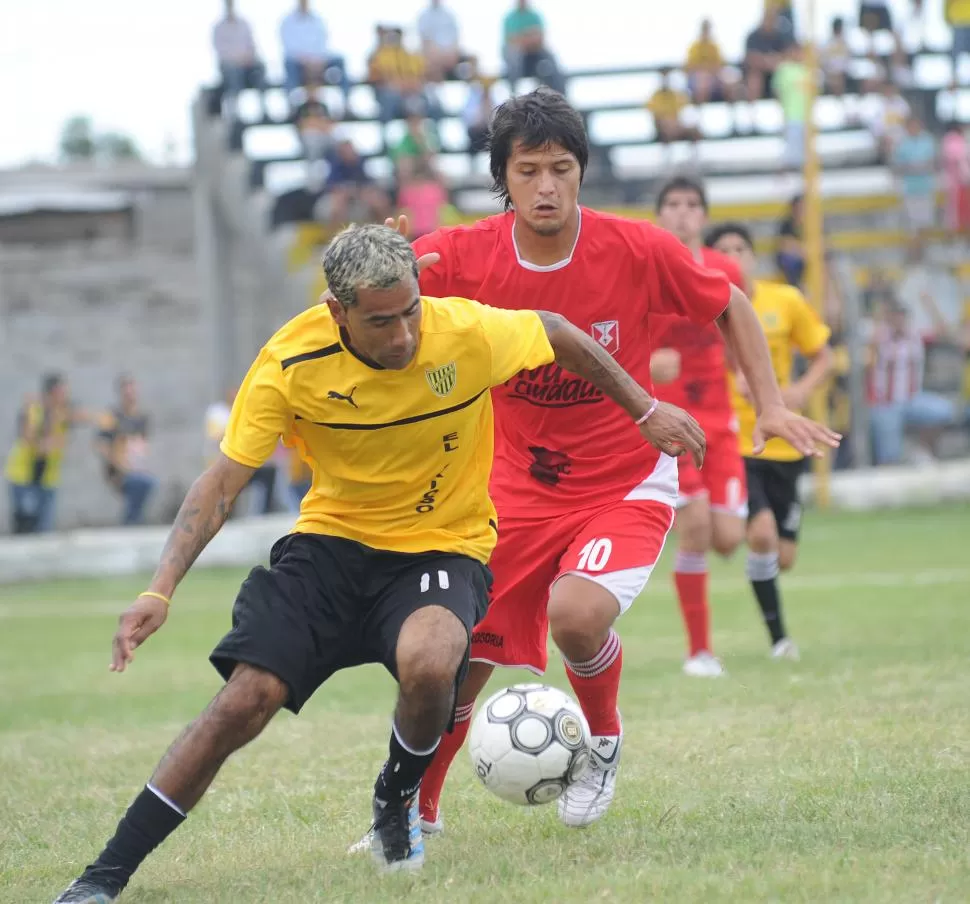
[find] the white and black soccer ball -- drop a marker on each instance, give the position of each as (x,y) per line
(529,743)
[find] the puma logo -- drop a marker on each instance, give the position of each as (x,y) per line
(340,397)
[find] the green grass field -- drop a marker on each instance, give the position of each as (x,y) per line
(840,778)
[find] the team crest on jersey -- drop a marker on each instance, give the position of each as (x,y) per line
(442,379)
(607,334)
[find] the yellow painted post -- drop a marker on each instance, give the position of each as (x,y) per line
(815,282)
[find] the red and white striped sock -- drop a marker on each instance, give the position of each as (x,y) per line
(596,684)
(434,778)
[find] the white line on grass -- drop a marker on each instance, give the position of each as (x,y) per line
(796,582)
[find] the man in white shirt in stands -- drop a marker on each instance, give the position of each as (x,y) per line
(232,40)
(306,52)
(438,29)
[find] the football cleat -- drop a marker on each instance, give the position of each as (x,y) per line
(396,840)
(588,799)
(83,891)
(785,649)
(704,665)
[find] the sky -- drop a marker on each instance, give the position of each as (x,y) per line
(135,67)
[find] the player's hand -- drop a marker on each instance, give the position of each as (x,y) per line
(137,623)
(673,431)
(402,226)
(804,434)
(665,365)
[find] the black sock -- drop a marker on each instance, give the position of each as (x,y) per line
(403,771)
(148,822)
(762,570)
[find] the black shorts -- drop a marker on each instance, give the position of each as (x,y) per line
(774,485)
(326,604)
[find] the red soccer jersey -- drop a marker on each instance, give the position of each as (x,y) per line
(702,384)
(560,444)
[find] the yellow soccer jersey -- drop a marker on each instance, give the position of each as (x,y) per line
(400,458)
(789,323)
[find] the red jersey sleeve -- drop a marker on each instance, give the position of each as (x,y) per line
(679,284)
(437,281)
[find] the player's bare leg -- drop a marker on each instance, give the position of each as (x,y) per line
(430,649)
(581,616)
(762,570)
(451,742)
(236,715)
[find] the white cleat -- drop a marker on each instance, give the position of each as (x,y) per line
(785,649)
(704,665)
(433,828)
(588,799)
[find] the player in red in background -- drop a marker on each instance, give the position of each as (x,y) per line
(689,362)
(584,507)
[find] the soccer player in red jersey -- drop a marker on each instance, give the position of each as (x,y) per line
(584,507)
(689,363)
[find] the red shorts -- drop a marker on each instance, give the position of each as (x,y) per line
(616,546)
(722,479)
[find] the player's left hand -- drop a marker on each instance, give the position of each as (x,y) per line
(403,227)
(804,434)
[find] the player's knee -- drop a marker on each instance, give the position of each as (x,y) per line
(430,649)
(580,622)
(762,533)
(727,539)
(251,697)
(694,526)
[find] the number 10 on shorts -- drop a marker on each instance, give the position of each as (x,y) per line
(595,554)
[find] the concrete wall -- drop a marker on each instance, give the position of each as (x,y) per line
(94,309)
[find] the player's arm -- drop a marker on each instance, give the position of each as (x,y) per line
(810,335)
(260,414)
(667,427)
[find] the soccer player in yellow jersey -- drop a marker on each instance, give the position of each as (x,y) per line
(387,395)
(774,512)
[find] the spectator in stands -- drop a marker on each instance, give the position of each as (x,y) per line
(524,49)
(785,11)
(955,160)
(887,118)
(315,127)
(836,58)
(438,30)
(957,15)
(397,76)
(763,51)
(914,163)
(896,396)
(665,105)
(422,196)
(790,255)
(232,39)
(874,16)
(791,84)
(705,69)
(33,468)
(417,147)
(123,445)
(349,184)
(306,51)
(477,115)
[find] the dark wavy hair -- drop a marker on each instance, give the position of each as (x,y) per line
(537,119)
(716,233)
(682,183)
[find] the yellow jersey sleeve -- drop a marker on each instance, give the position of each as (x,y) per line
(808,331)
(517,340)
(260,415)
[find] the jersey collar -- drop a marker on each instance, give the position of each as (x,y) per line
(548,268)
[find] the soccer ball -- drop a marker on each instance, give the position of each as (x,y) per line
(529,743)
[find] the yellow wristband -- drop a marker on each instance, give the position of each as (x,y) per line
(158,596)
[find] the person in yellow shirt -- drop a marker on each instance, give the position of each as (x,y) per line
(33,468)
(397,76)
(705,69)
(387,394)
(774,511)
(665,105)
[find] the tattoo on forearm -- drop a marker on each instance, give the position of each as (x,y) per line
(203,512)
(579,354)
